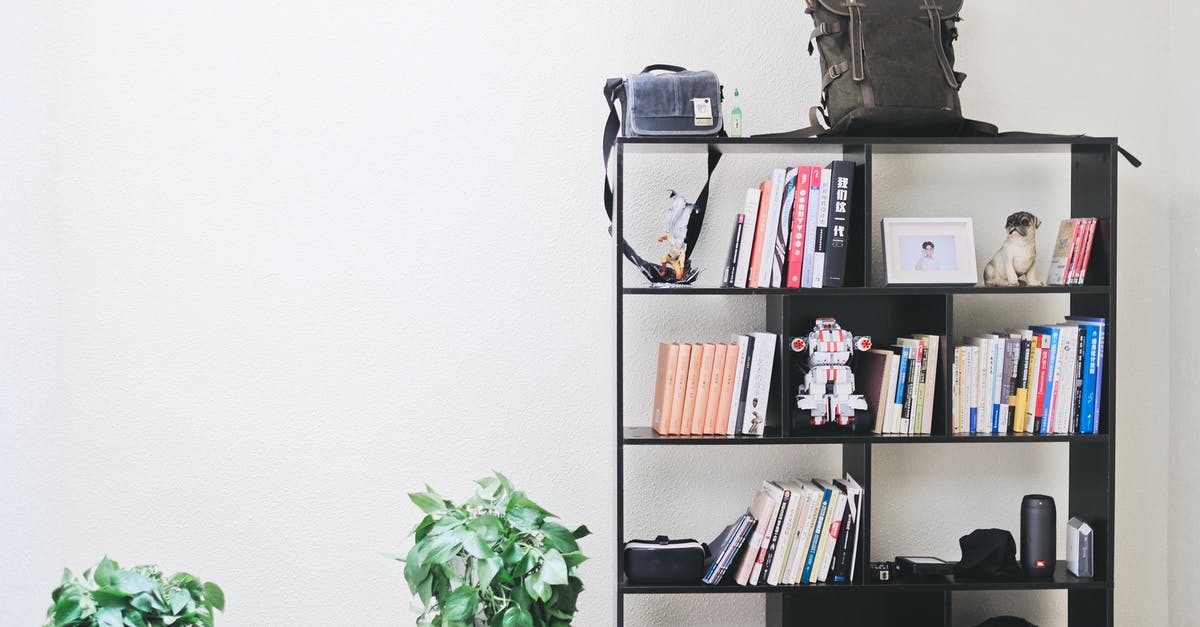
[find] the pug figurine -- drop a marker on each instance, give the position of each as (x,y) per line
(1016,261)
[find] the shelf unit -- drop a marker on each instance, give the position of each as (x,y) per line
(890,312)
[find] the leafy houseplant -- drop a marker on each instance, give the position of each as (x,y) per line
(110,596)
(495,560)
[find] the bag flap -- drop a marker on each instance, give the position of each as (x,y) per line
(670,95)
(947,8)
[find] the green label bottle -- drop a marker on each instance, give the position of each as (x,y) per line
(735,117)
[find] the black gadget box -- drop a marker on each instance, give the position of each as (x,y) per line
(664,561)
(915,567)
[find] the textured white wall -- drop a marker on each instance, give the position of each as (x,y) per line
(1183,102)
(269,266)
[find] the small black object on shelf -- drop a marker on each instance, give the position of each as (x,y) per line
(663,561)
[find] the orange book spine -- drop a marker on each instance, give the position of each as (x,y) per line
(679,389)
(664,387)
(760,233)
(728,374)
(703,378)
(689,394)
(714,389)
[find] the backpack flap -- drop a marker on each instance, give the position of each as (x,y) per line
(676,103)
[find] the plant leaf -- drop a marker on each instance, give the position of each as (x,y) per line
(214,595)
(422,528)
(134,619)
(554,569)
(476,546)
(488,526)
(461,605)
(581,532)
(559,537)
(429,503)
(130,582)
(104,572)
(415,570)
(109,617)
(516,616)
(486,569)
(536,587)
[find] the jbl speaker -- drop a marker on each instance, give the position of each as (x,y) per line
(1037,535)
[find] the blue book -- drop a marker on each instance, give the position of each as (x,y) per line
(1100,324)
(1049,383)
(998,375)
(903,353)
(816,537)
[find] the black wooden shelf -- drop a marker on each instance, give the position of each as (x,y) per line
(644,436)
(1062,580)
(891,290)
(885,145)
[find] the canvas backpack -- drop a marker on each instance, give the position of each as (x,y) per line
(887,67)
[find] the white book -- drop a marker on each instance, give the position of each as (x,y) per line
(803,532)
(818,275)
(838,511)
(892,374)
(750,209)
(783,228)
(786,534)
(743,346)
(854,496)
(987,360)
(768,246)
(819,183)
(758,392)
(973,383)
(999,402)
(776,494)
(956,390)
(1068,344)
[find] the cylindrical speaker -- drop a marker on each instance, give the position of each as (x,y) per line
(1037,535)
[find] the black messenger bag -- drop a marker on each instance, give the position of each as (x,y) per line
(887,67)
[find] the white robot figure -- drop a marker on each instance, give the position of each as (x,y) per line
(829,385)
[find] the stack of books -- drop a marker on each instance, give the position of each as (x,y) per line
(794,229)
(714,389)
(1072,251)
(899,384)
(1040,380)
(795,532)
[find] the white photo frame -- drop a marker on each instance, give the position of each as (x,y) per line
(929,251)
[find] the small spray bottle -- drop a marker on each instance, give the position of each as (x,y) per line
(735,117)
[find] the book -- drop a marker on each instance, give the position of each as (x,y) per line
(1012,364)
(758,393)
(717,548)
(889,398)
(730,541)
(760,234)
(729,376)
(1096,386)
(771,226)
(1089,237)
(664,387)
(703,380)
(693,385)
(1044,373)
(871,381)
(744,387)
(775,563)
(750,215)
(795,262)
(815,192)
(807,572)
(821,536)
(972,388)
(738,542)
(711,411)
(821,238)
(735,246)
(1034,372)
(779,508)
(841,547)
(1068,338)
(956,390)
(929,385)
(773,545)
(855,493)
(838,231)
(682,365)
(760,509)
(904,355)
(802,533)
(1050,381)
(911,418)
(832,531)
(1059,259)
(783,228)
(1080,364)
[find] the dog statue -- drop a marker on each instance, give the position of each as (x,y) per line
(1016,261)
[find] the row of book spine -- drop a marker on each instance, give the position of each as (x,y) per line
(899,384)
(1045,379)
(714,389)
(793,229)
(794,532)
(1072,251)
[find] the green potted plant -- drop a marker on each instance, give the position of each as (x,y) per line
(111,596)
(496,560)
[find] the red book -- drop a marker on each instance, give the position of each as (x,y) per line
(760,233)
(1043,372)
(795,261)
(1088,237)
(1076,247)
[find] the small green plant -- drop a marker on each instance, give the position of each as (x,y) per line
(496,560)
(111,596)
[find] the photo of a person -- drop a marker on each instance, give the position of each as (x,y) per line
(928,253)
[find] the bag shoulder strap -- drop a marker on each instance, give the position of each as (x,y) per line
(614,91)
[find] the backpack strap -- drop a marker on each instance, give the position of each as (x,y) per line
(614,91)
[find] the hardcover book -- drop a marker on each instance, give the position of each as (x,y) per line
(837,233)
(664,388)
(749,230)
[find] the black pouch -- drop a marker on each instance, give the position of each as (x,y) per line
(663,561)
(1006,621)
(988,554)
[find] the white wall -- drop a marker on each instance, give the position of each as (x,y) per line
(1183,101)
(268,267)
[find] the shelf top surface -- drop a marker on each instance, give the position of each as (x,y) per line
(645,436)
(1014,143)
(868,291)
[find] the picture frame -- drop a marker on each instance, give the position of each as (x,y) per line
(929,251)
